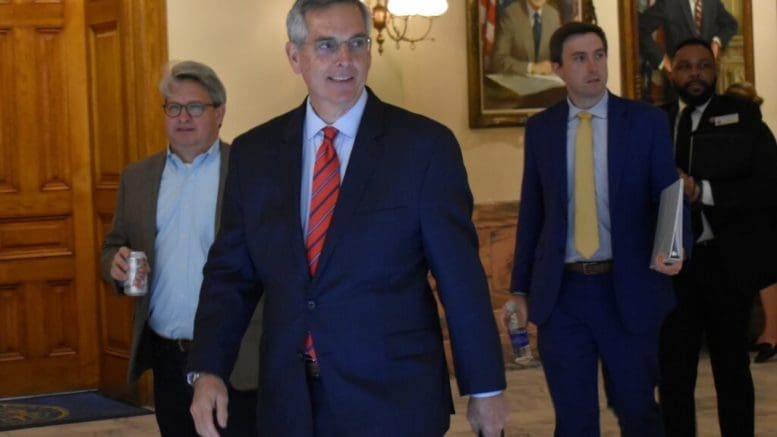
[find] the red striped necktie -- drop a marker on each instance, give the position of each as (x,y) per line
(323,197)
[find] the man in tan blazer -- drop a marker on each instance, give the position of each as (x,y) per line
(522,43)
(168,206)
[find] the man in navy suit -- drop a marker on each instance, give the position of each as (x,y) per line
(352,343)
(587,283)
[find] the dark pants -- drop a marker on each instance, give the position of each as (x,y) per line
(173,396)
(584,328)
(710,305)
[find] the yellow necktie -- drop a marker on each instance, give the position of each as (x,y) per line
(586,223)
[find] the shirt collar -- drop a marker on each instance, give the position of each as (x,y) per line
(700,108)
(212,150)
(599,110)
(347,124)
(531,10)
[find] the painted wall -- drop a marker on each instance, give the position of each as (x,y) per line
(243,40)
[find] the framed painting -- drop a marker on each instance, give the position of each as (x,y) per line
(651,28)
(508,57)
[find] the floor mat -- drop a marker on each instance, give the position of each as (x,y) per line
(59,409)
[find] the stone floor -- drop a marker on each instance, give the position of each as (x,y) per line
(527,394)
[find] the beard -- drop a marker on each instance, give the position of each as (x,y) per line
(696,99)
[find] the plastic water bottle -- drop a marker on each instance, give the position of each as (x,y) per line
(519,339)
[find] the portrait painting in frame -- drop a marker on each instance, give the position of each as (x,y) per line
(508,51)
(651,28)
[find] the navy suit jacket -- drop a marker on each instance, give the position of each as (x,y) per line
(676,17)
(404,210)
(640,165)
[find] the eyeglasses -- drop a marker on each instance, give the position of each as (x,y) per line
(194,109)
(356,45)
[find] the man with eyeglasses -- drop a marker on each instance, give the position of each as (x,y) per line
(335,213)
(168,207)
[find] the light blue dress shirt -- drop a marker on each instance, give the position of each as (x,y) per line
(312,136)
(599,129)
(185,224)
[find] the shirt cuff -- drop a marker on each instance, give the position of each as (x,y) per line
(519,293)
(706,193)
(487,394)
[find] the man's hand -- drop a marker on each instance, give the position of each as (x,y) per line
(209,393)
(691,188)
(668,269)
(542,67)
(120,265)
(487,415)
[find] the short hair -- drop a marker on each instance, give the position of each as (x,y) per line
(744,90)
(296,27)
(572,28)
(197,72)
(693,42)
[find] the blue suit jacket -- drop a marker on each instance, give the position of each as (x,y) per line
(640,165)
(404,210)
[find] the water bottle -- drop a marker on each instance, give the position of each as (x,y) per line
(519,339)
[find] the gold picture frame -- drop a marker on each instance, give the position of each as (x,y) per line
(506,98)
(641,81)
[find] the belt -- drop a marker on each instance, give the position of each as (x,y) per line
(181,344)
(589,268)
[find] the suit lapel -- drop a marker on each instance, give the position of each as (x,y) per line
(149,208)
(223,168)
(364,156)
(617,142)
(557,152)
(290,180)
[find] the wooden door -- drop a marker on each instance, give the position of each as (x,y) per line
(48,317)
(127,50)
(78,101)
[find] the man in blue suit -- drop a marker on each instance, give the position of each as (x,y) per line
(352,344)
(587,279)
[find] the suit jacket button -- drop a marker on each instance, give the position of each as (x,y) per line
(311,305)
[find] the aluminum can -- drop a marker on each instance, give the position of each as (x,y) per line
(135,261)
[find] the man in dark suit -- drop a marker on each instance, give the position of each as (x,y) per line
(682,19)
(729,163)
(337,211)
(168,206)
(522,35)
(594,169)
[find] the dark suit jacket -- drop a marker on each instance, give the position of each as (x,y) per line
(677,20)
(640,165)
(134,226)
(514,40)
(404,210)
(739,159)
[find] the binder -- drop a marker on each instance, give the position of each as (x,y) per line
(669,227)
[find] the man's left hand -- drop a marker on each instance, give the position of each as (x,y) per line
(668,269)
(487,415)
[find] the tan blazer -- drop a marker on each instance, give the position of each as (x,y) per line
(134,226)
(514,41)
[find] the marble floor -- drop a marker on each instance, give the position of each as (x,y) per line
(527,394)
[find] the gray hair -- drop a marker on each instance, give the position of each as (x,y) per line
(197,72)
(296,27)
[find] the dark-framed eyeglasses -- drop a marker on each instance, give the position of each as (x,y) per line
(194,109)
(356,45)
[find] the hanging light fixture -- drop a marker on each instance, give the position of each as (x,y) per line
(394,17)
